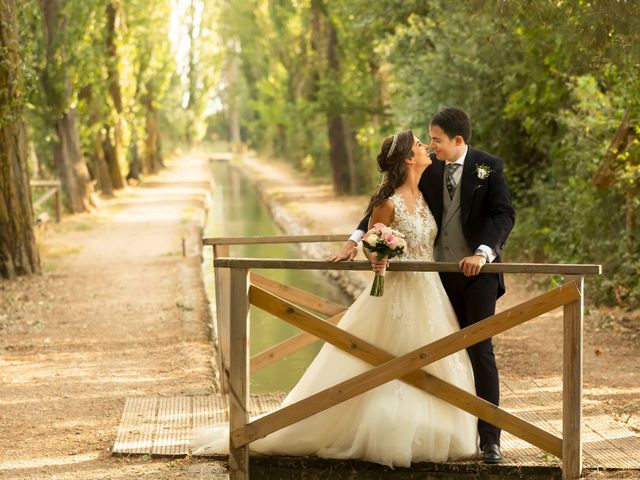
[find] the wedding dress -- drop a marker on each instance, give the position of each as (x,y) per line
(394,424)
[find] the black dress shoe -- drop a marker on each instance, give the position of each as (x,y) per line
(491,454)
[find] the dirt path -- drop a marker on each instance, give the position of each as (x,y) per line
(117,312)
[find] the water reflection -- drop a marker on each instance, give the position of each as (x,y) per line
(237,211)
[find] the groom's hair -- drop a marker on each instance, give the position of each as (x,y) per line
(453,122)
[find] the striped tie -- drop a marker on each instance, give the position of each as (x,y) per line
(450,169)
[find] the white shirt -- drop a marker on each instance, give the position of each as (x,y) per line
(457,175)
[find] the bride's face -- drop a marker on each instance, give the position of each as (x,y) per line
(420,154)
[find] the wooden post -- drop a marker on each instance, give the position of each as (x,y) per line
(223,298)
(239,373)
(58,202)
(572,384)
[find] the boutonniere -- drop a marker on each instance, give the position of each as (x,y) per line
(483,171)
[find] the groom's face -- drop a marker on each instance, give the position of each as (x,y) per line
(447,149)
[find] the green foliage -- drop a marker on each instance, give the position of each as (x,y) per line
(547,85)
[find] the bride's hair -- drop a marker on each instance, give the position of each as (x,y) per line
(393,166)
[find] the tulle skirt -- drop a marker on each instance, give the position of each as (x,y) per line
(394,424)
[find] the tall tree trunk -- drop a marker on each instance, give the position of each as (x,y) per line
(18,250)
(135,165)
(159,156)
(102,176)
(70,164)
(111,156)
(100,168)
(117,160)
(341,161)
(150,163)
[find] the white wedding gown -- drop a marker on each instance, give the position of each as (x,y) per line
(394,424)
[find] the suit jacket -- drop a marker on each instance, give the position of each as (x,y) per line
(487,214)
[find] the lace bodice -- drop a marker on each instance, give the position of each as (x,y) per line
(419,227)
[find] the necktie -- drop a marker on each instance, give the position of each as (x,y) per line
(450,169)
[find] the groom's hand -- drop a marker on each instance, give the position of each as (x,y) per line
(348,252)
(472,265)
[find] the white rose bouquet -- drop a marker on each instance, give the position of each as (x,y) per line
(385,242)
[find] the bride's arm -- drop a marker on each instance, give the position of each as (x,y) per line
(350,247)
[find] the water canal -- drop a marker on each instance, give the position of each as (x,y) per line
(236,210)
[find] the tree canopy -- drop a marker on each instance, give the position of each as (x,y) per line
(551,86)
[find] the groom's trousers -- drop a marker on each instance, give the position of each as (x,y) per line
(474,299)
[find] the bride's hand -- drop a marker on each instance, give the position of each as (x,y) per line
(348,252)
(378,265)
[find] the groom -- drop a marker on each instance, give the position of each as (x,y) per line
(468,196)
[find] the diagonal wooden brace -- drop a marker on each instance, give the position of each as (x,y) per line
(390,368)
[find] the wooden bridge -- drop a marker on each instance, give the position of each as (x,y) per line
(560,434)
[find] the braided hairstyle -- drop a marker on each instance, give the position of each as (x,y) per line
(393,166)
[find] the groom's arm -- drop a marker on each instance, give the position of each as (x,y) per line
(500,222)
(502,215)
(350,247)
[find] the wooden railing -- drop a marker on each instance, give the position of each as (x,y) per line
(54,188)
(243,288)
(221,250)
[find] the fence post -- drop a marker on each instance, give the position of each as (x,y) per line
(58,202)
(223,299)
(239,371)
(572,384)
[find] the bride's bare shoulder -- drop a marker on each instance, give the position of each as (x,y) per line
(383,212)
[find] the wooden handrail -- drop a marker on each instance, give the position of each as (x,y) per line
(406,266)
(338,237)
(44,183)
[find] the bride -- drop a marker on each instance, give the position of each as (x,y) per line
(394,424)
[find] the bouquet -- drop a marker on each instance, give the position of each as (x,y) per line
(386,242)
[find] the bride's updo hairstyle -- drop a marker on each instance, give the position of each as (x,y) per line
(395,149)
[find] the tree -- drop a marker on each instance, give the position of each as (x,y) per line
(18,250)
(62,27)
(113,141)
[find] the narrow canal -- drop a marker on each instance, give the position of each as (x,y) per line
(236,210)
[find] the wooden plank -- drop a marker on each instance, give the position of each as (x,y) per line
(135,433)
(58,205)
(339,237)
(615,447)
(296,295)
(239,371)
(223,299)
(572,384)
(163,427)
(139,429)
(607,444)
(287,347)
(48,183)
(46,196)
(404,364)
(406,266)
